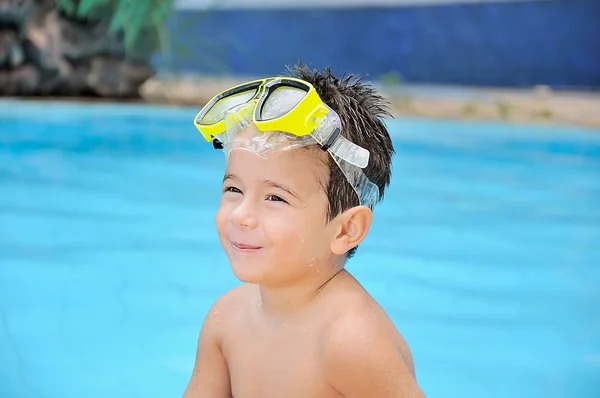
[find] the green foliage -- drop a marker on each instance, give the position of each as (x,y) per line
(68,6)
(132,17)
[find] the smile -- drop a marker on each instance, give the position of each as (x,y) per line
(244,248)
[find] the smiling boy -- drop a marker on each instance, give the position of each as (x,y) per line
(308,157)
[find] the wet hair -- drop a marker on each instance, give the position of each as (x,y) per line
(362,111)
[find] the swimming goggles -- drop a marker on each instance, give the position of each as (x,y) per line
(283,113)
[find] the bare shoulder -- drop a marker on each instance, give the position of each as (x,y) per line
(365,355)
(227,308)
(231,299)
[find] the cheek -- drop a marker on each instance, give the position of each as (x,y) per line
(296,236)
(222,218)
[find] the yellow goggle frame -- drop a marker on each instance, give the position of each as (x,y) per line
(301,120)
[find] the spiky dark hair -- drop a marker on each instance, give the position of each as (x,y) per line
(362,112)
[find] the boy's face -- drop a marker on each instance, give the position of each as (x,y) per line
(272,217)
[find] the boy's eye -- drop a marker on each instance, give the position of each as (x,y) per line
(275,198)
(232,189)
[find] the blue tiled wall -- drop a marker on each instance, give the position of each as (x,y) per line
(554,42)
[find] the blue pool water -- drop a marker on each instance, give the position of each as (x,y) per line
(485,253)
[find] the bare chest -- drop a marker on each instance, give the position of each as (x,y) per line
(281,364)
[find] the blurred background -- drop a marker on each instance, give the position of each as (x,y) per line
(485,252)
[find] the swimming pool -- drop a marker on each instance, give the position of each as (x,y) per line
(485,253)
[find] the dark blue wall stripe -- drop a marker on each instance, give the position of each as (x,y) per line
(555,42)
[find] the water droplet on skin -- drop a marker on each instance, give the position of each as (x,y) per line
(214,315)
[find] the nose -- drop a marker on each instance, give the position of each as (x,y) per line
(244,215)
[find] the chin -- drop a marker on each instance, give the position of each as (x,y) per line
(248,271)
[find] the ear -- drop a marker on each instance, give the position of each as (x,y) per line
(351,229)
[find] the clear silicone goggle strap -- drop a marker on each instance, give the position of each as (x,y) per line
(350,158)
(341,146)
(367,191)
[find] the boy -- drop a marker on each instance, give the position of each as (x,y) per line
(297,201)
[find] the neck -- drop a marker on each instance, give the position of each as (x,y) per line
(283,301)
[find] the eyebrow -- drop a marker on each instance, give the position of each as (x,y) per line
(270,183)
(230,176)
(282,187)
